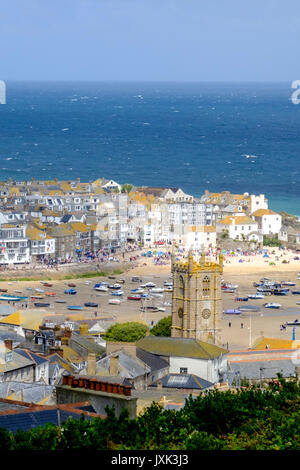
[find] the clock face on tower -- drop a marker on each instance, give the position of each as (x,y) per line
(206,313)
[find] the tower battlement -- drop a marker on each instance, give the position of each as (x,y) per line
(196,298)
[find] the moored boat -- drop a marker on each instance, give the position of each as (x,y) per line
(293,323)
(232,312)
(134,297)
(100,288)
(114,286)
(117,293)
(9,298)
(70,291)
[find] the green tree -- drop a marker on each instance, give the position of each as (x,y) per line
(162,327)
(126,188)
(127,332)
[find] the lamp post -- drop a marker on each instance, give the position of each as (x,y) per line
(250,332)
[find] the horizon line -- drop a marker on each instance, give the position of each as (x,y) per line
(94,80)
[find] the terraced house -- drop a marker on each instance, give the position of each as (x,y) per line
(65,241)
(14,244)
(42,245)
(83,237)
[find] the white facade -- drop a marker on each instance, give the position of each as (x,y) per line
(258,202)
(238,227)
(14,245)
(209,370)
(268,221)
(43,247)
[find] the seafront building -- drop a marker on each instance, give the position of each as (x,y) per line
(67,220)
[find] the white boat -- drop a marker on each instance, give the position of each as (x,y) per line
(114,301)
(256,296)
(115,286)
(9,298)
(148,284)
(271,305)
(157,290)
(154,294)
(101,288)
(137,291)
(168,289)
(39,290)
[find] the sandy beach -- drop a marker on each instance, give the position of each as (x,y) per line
(265,323)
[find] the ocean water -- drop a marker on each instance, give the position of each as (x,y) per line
(197,136)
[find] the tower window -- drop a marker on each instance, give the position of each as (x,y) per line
(206,286)
(183,370)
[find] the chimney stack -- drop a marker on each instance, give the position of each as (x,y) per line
(91,368)
(84,329)
(8,344)
(114,365)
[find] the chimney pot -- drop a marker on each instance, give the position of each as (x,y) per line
(8,344)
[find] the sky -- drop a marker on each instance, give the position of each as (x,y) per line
(150,40)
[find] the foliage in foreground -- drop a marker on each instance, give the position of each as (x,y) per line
(248,419)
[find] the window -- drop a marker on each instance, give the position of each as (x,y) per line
(183,370)
(206,286)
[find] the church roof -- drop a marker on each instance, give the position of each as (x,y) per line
(180,347)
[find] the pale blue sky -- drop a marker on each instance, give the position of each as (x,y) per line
(179,40)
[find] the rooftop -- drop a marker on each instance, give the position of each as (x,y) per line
(180,347)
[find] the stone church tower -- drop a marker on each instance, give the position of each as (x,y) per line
(196,299)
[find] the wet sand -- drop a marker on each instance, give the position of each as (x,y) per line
(264,323)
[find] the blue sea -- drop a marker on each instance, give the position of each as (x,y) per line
(197,136)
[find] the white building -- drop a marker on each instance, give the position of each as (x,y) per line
(238,227)
(14,245)
(269,222)
(41,244)
(188,356)
(196,237)
(258,202)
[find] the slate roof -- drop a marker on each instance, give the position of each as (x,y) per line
(154,362)
(17,362)
(34,392)
(128,366)
(180,347)
(32,419)
(184,381)
(8,334)
(6,309)
(255,364)
(65,218)
(30,355)
(87,344)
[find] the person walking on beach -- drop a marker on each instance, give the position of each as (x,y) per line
(242,325)
(229,324)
